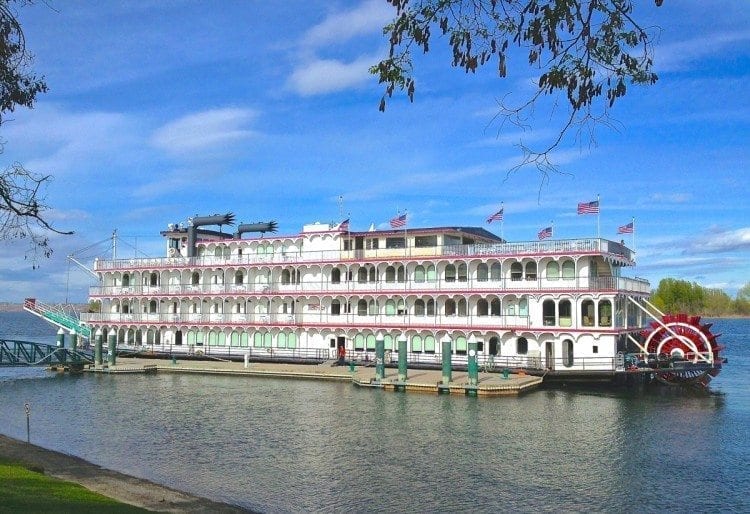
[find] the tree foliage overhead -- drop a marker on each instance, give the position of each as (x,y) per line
(585,51)
(22,207)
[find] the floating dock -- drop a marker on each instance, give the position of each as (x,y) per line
(418,380)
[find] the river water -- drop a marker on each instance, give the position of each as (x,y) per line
(274,445)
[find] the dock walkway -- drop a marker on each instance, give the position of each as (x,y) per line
(418,380)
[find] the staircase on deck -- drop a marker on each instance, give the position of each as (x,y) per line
(57,315)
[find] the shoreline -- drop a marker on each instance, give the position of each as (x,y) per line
(113,484)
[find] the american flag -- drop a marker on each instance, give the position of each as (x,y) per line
(625,229)
(589,207)
(498,216)
(545,233)
(344,225)
(398,221)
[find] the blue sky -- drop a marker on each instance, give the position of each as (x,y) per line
(158,111)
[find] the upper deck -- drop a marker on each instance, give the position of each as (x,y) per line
(611,250)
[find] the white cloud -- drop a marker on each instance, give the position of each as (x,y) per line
(367,18)
(326,75)
(677,56)
(205,130)
(726,241)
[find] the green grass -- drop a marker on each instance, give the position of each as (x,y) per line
(25,490)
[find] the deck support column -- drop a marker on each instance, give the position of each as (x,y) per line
(61,344)
(446,355)
(73,345)
(402,360)
(379,359)
(98,347)
(112,340)
(473,366)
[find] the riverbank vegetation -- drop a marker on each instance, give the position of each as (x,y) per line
(674,295)
(28,490)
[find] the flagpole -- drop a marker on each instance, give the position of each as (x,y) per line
(633,222)
(598,214)
(502,220)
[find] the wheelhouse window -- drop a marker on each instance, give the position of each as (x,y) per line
(372,243)
(395,242)
(425,241)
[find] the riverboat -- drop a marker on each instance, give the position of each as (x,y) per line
(562,308)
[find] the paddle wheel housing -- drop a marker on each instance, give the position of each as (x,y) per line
(683,350)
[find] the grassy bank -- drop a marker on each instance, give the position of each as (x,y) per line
(29,490)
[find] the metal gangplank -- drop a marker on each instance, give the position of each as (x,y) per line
(58,316)
(26,353)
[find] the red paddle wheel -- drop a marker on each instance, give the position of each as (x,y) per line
(684,350)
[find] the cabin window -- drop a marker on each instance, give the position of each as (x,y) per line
(390,308)
(587,313)
(425,241)
(523,307)
(390,274)
(370,342)
(395,242)
(285,276)
(195,279)
(400,277)
(460,345)
(362,275)
(496,272)
(281,340)
(419,307)
(495,309)
(335,276)
(416,344)
(516,271)
(154,279)
(483,272)
(461,307)
(568,270)
(531,271)
(372,308)
(429,344)
(567,353)
(239,278)
(566,316)
(359,342)
(372,243)
(362,308)
(419,274)
(494,346)
(548,313)
(462,272)
(482,307)
(126,280)
(450,273)
(510,309)
(553,270)
(152,306)
(605,313)
(401,307)
(388,342)
(335,307)
(430,307)
(522,346)
(450,307)
(431,273)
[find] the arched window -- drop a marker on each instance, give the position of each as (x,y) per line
(522,346)
(431,273)
(496,272)
(239,277)
(429,344)
(335,307)
(370,340)
(568,270)
(462,272)
(390,274)
(362,275)
(482,307)
(152,306)
(450,273)
(371,274)
(567,353)
(419,307)
(195,279)
(495,309)
(390,308)
(154,279)
(460,345)
(605,313)
(483,272)
(430,311)
(516,271)
(553,270)
(416,344)
(281,340)
(587,313)
(523,307)
(450,307)
(126,280)
(285,276)
(372,308)
(362,308)
(359,342)
(494,346)
(531,271)
(461,307)
(566,314)
(400,276)
(548,313)
(218,252)
(419,275)
(335,276)
(401,307)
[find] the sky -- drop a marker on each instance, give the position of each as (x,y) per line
(162,110)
